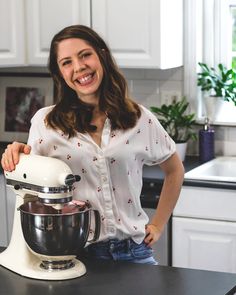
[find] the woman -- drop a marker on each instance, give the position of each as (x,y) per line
(106,138)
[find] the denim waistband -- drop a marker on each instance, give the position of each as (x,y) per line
(126,250)
(112,244)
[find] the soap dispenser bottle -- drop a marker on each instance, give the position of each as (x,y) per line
(206,142)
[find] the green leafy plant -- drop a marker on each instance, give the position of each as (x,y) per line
(219,82)
(176,120)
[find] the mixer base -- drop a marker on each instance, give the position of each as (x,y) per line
(37,272)
(31,268)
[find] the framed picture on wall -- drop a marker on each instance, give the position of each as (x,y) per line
(20,98)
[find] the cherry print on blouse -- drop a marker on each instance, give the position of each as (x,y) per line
(139,214)
(149,121)
(112,160)
(99,189)
(79,144)
(135,227)
(55,147)
(95,158)
(40,140)
(157,142)
(113,188)
(83,170)
(130,201)
(62,134)
(146,148)
(113,134)
(119,220)
(102,217)
(68,157)
(139,131)
(127,142)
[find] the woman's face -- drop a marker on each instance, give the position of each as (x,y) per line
(80,67)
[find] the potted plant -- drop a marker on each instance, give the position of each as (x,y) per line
(177,121)
(220,84)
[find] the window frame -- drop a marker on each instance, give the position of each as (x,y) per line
(206,39)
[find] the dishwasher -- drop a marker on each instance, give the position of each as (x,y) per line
(149,200)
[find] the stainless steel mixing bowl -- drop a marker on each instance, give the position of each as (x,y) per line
(53,232)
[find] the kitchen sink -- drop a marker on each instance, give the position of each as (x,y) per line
(218,169)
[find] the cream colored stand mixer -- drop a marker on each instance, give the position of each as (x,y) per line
(48,229)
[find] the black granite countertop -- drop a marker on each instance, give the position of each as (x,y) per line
(153,175)
(115,278)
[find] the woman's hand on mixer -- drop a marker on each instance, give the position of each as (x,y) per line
(11,155)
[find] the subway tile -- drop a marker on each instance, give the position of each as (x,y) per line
(146,86)
(132,74)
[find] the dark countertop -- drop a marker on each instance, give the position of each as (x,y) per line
(155,174)
(115,278)
(153,177)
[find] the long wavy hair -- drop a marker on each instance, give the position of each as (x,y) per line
(71,114)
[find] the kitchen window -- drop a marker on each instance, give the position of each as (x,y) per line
(210,37)
(233,35)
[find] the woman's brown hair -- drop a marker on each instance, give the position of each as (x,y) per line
(70,114)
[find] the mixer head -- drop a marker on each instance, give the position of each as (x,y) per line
(50,179)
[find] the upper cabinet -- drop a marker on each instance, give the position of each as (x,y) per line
(46,18)
(140,33)
(27,27)
(12,33)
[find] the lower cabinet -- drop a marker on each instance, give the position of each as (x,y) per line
(204,244)
(7,207)
(204,229)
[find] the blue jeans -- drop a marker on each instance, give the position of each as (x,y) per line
(124,250)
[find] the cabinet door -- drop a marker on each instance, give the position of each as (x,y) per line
(12,41)
(141,33)
(46,18)
(204,244)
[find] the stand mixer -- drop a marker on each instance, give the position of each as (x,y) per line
(49,229)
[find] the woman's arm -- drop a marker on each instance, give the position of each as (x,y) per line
(174,175)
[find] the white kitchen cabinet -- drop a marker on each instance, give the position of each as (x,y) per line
(204,229)
(7,207)
(12,32)
(141,33)
(27,27)
(45,18)
(204,244)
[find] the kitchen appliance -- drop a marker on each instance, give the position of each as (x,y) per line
(49,229)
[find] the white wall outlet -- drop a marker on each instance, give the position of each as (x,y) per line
(168,96)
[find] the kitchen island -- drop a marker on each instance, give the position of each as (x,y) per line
(116,278)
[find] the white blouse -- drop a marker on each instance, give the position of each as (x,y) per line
(111,175)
